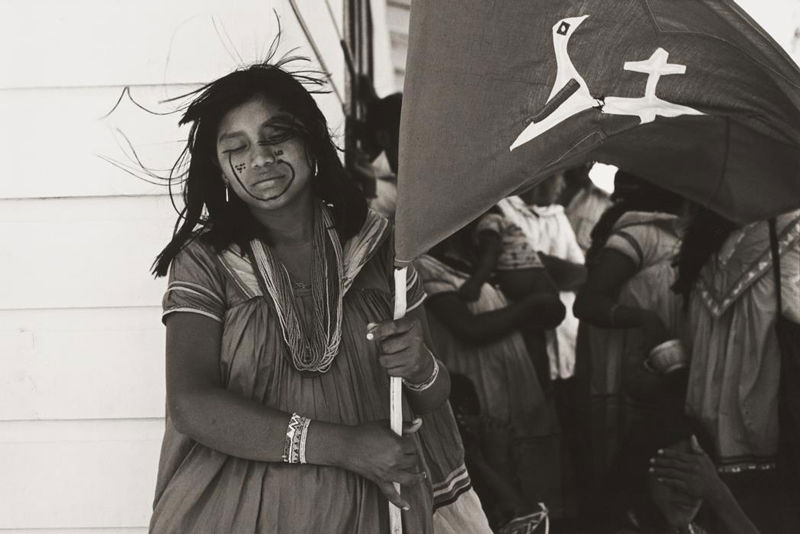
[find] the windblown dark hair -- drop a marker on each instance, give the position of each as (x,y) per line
(221,223)
(384,115)
(705,235)
(643,196)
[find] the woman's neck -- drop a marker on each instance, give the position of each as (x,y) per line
(291,224)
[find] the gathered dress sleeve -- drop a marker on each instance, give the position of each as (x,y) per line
(491,222)
(435,278)
(415,292)
(790,282)
(195,284)
(638,242)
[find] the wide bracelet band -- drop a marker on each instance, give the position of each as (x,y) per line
(422,386)
(294,448)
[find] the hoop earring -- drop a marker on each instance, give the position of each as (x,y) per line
(316,170)
(227,197)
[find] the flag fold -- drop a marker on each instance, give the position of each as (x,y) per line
(690,94)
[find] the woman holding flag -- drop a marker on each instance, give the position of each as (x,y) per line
(279,350)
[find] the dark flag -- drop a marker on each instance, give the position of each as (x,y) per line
(690,94)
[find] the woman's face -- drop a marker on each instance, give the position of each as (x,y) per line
(678,508)
(263,159)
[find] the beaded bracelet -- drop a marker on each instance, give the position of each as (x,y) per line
(422,386)
(294,448)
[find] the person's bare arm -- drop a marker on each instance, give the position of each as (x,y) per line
(790,283)
(730,514)
(568,276)
(201,407)
(489,248)
(543,284)
(597,300)
(693,473)
(533,311)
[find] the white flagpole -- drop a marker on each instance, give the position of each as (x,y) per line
(396,392)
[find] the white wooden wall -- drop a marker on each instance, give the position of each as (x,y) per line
(81,343)
(398,13)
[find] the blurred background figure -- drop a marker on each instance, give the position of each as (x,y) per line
(506,256)
(733,301)
(583,203)
(626,309)
(500,496)
(376,162)
(518,429)
(550,234)
(666,483)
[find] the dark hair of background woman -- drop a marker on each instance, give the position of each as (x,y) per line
(223,223)
(631,194)
(704,237)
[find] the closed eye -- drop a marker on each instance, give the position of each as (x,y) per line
(276,138)
(234,149)
(276,131)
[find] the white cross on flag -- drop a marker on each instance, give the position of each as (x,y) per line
(690,94)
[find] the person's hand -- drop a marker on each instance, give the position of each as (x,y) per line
(378,454)
(654,331)
(692,473)
(469,291)
(401,349)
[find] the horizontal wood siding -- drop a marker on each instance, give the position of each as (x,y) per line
(81,342)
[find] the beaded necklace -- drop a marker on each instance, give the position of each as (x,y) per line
(312,349)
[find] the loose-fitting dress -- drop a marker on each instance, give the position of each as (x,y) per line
(506,384)
(651,241)
(200,490)
(735,365)
(457,508)
(550,232)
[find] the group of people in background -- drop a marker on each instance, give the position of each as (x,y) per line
(614,357)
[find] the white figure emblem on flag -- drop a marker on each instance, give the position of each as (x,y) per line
(571,94)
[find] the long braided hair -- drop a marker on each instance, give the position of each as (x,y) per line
(704,237)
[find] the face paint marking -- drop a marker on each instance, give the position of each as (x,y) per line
(262,199)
